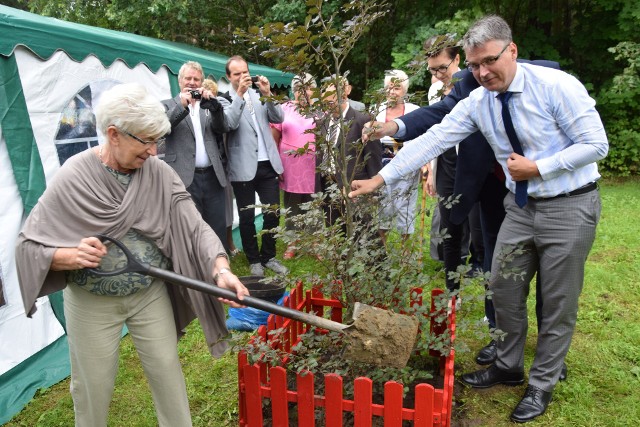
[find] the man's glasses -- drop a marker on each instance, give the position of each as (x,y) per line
(485,62)
(441,69)
(160,141)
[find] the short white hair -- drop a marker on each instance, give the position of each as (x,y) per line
(130,108)
(190,64)
(397,76)
(305,80)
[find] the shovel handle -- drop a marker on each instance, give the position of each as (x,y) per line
(248,301)
(135,266)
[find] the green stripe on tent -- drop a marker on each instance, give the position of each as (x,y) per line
(44,36)
(44,369)
(17,132)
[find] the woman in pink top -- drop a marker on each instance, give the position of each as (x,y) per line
(298,179)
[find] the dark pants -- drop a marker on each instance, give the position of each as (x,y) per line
(292,201)
(451,245)
(209,197)
(476,249)
(265,183)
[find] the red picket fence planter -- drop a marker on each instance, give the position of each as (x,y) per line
(258,382)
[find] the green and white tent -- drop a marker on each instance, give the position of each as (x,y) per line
(52,73)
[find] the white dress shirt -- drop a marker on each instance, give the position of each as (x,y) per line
(554,117)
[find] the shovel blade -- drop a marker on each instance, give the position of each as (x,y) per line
(381,337)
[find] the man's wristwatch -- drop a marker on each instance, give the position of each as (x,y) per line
(223,270)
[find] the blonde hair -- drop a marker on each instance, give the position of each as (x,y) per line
(130,108)
(397,77)
(211,85)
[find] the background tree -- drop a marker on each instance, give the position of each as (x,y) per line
(587,37)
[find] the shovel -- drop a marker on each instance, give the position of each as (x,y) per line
(376,336)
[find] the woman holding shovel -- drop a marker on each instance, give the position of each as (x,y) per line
(121,189)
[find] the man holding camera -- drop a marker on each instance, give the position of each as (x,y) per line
(193,148)
(254,161)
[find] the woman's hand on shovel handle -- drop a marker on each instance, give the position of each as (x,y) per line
(88,254)
(227,280)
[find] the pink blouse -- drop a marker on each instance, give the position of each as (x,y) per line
(299,170)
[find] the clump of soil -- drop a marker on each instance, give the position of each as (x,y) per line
(381,337)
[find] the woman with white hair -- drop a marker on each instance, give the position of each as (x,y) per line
(399,203)
(121,189)
(297,151)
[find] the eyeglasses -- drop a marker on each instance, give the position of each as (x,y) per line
(441,69)
(487,62)
(160,141)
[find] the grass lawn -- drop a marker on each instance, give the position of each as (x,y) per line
(604,360)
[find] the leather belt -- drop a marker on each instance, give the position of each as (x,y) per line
(205,169)
(582,190)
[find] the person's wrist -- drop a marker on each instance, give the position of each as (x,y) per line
(220,272)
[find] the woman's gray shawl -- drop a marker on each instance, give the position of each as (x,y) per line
(84,199)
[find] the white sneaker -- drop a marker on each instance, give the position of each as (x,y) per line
(275,265)
(256,269)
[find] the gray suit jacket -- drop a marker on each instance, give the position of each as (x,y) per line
(180,151)
(242,139)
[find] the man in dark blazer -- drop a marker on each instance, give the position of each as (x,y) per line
(193,149)
(363,161)
(254,162)
(478,176)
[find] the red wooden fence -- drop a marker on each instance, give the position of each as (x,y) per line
(257,382)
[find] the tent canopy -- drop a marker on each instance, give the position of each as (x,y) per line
(44,36)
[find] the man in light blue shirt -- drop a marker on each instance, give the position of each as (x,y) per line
(547,138)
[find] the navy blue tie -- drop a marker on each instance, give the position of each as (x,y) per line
(521,186)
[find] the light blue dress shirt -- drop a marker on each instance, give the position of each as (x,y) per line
(553,115)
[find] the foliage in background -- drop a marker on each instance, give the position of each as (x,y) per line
(584,36)
(620,101)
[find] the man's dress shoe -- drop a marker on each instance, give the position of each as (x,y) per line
(487,354)
(491,376)
(533,404)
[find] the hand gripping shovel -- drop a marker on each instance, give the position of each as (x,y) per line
(376,336)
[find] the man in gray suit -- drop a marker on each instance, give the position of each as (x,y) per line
(254,162)
(193,148)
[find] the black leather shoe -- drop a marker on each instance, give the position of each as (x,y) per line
(563,372)
(533,404)
(491,376)
(487,354)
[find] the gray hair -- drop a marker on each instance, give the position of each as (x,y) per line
(397,76)
(130,108)
(306,80)
(488,28)
(190,64)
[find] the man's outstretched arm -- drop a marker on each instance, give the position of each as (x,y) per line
(365,186)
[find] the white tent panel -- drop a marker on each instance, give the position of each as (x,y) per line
(20,336)
(50,85)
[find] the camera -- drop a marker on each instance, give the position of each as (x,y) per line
(254,79)
(195,94)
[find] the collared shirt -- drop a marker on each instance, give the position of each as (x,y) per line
(334,123)
(202,159)
(555,120)
(333,135)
